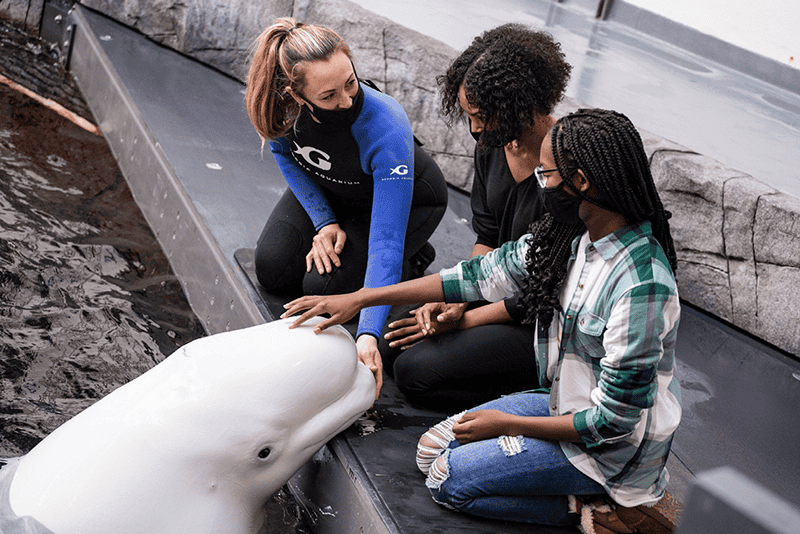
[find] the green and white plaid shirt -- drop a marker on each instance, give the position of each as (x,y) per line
(609,358)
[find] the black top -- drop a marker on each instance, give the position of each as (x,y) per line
(502,210)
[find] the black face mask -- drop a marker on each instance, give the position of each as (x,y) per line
(562,206)
(339,117)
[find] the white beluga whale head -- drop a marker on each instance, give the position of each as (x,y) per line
(198,443)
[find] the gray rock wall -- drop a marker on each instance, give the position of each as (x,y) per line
(26,13)
(737,239)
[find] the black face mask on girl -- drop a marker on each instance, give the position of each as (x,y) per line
(339,117)
(562,206)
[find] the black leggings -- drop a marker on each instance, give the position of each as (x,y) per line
(280,258)
(461,369)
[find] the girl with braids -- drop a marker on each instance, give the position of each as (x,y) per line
(593,450)
(363,199)
(506,84)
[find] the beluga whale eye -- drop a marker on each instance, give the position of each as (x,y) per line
(263,453)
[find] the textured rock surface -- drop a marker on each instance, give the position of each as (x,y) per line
(736,238)
(737,241)
(776,246)
(25,13)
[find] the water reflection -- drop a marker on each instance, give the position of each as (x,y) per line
(87,299)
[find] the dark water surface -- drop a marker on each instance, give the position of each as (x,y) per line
(88,301)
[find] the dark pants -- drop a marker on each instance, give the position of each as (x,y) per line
(461,369)
(280,258)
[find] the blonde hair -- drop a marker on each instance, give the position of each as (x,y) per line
(276,65)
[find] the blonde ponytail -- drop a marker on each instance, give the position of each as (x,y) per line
(277,64)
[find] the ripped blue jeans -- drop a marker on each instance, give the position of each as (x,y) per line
(511,477)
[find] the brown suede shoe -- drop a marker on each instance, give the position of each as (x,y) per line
(604,517)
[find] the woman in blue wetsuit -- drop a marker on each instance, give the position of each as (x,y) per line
(363,199)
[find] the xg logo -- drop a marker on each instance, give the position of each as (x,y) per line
(402,170)
(314,156)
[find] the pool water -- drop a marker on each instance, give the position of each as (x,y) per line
(87,298)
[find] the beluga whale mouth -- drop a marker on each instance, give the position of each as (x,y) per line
(196,444)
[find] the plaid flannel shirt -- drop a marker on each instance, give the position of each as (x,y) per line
(609,358)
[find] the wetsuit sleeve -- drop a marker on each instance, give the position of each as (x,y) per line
(308,193)
(483,222)
(386,146)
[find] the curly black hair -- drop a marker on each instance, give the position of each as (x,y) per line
(511,74)
(549,250)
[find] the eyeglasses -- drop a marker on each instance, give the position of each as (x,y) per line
(540,173)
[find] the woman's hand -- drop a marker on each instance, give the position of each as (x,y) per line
(341,309)
(440,315)
(370,356)
(409,332)
(325,249)
(405,333)
(483,424)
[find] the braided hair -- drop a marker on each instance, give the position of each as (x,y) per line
(608,149)
(606,146)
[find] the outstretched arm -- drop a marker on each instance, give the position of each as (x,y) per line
(452,312)
(342,308)
(495,276)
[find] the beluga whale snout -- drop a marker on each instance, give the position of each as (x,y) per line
(198,443)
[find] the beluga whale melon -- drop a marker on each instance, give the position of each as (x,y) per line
(198,443)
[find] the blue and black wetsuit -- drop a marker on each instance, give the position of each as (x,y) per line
(385,192)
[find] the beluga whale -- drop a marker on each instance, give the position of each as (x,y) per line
(198,443)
